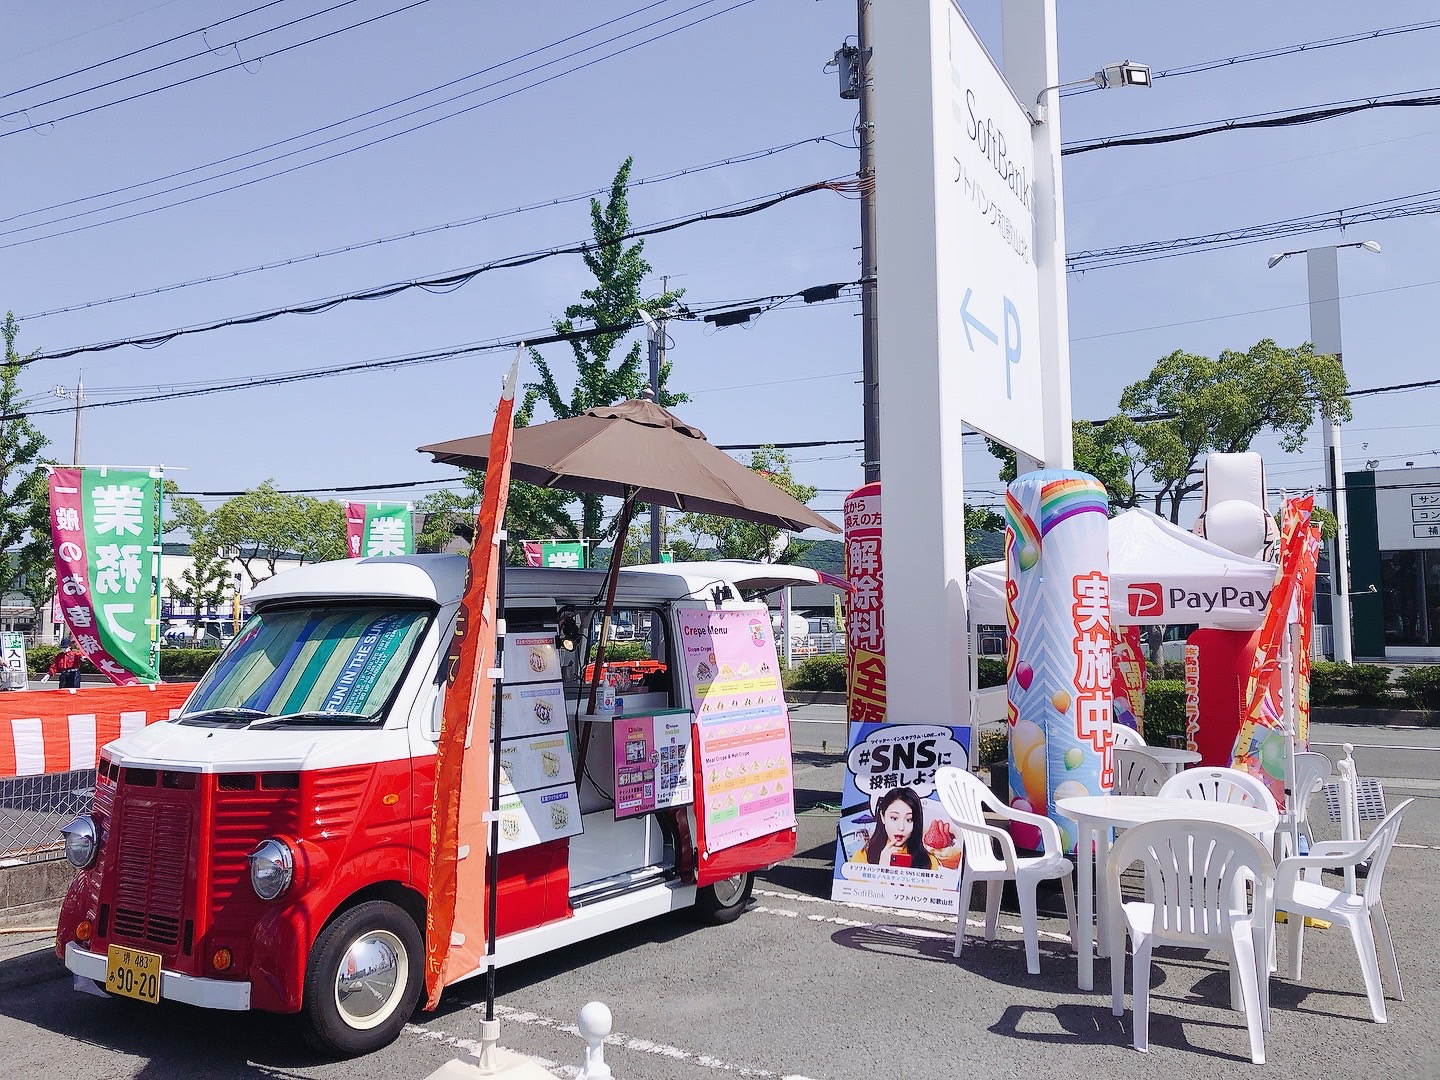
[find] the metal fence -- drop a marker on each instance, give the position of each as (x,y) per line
(33,809)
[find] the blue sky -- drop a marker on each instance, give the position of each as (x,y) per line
(749,78)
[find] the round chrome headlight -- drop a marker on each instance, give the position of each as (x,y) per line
(271,868)
(82,840)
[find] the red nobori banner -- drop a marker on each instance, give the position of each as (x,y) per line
(103,526)
(865,623)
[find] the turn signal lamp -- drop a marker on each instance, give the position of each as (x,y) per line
(84,930)
(222,960)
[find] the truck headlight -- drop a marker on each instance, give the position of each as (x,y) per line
(82,840)
(271,868)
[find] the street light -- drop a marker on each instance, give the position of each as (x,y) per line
(1125,73)
(1323,276)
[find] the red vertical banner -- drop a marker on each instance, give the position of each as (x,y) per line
(1192,697)
(1260,745)
(865,625)
(459,834)
(354,529)
(1127,677)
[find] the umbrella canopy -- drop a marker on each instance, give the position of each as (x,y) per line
(639,451)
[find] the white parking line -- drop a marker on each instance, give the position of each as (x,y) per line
(923,916)
(615,1038)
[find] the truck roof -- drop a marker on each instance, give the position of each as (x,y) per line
(440,579)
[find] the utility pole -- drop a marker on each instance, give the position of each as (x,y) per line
(1322,274)
(79,398)
(657,358)
(869,340)
(853,64)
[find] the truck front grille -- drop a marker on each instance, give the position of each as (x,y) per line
(154,844)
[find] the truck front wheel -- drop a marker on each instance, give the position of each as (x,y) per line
(363,979)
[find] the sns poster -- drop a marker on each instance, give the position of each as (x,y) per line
(896,848)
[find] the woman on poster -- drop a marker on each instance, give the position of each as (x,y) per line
(898,839)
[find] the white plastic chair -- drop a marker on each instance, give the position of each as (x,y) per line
(1127,738)
(1138,773)
(1298,894)
(1226,786)
(989,856)
(1207,886)
(1311,772)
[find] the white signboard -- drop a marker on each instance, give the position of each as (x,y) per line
(985,237)
(13,675)
(1408,510)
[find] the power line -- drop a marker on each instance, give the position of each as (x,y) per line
(561,200)
(536,338)
(307,134)
(1284,50)
(1419,203)
(378,124)
(448,281)
(204,74)
(1419,99)
(137,52)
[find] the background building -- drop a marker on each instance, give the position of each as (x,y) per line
(1395,563)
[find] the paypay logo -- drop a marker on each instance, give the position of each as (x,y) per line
(1146,600)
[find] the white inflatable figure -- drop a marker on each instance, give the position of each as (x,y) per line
(1234,512)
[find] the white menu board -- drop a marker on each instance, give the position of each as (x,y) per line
(535,817)
(535,761)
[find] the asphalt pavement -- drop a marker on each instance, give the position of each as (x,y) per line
(802,987)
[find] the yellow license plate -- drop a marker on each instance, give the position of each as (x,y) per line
(133,973)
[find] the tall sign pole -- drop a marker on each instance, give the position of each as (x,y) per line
(1323,280)
(1032,63)
(972,297)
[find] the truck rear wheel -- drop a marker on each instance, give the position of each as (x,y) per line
(363,979)
(723,901)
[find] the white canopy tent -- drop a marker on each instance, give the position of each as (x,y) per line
(1159,573)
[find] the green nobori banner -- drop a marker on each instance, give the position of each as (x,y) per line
(378,529)
(103,524)
(564,554)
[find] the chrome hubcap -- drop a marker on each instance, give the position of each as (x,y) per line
(371,978)
(729,891)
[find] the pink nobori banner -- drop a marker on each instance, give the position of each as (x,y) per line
(72,574)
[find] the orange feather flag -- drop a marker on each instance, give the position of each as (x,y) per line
(455,913)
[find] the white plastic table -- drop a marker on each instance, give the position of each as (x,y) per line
(1173,758)
(1096,815)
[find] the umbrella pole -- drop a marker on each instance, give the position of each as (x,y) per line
(612,580)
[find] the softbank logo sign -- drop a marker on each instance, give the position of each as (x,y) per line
(1146,600)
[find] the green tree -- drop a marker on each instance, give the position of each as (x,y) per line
(1190,406)
(979,522)
(601,378)
(205,585)
(264,525)
(735,539)
(1100,450)
(24,489)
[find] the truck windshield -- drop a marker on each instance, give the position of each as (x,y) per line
(343,660)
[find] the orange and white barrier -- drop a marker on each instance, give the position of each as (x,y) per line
(56,731)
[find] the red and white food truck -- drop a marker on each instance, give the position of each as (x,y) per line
(269,847)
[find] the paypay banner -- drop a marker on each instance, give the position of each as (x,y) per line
(103,523)
(377,529)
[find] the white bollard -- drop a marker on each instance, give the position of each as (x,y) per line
(595,1024)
